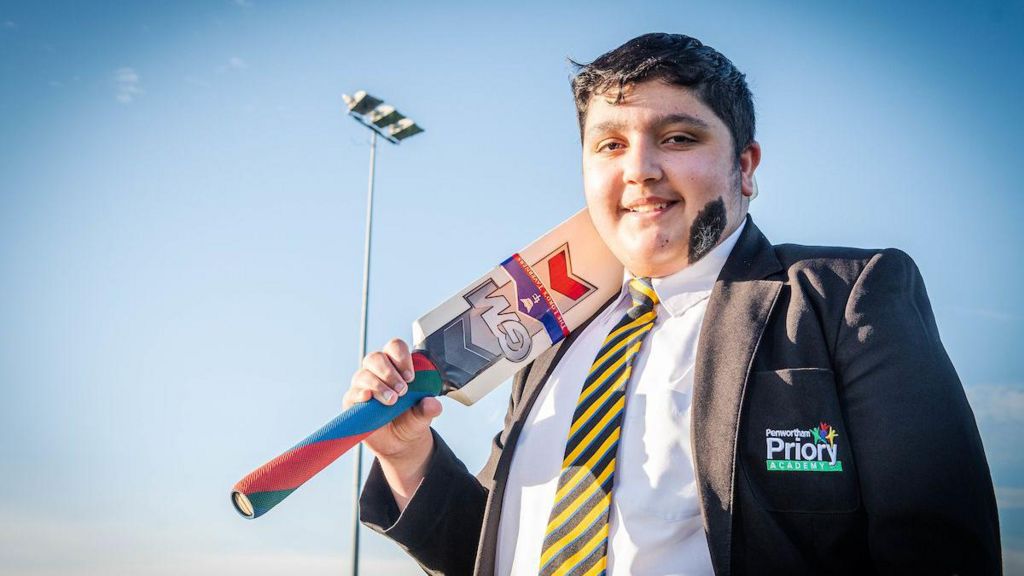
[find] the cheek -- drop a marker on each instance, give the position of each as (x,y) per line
(598,212)
(601,198)
(702,168)
(700,176)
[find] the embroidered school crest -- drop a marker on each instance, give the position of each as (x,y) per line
(803,450)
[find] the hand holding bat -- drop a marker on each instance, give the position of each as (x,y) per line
(404,445)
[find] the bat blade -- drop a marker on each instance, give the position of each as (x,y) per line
(487,332)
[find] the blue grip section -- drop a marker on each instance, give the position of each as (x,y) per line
(363,417)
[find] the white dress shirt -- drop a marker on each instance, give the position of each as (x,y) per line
(655,523)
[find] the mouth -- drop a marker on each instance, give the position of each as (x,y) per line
(653,206)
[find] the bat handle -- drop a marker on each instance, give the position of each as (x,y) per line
(266,486)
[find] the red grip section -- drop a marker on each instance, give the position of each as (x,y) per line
(294,467)
(420,362)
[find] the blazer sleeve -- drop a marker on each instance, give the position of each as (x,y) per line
(925,483)
(440,527)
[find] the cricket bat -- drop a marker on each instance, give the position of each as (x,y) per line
(465,347)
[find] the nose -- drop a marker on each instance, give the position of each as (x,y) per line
(641,164)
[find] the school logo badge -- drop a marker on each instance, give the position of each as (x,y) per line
(803,450)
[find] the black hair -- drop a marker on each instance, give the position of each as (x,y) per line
(678,60)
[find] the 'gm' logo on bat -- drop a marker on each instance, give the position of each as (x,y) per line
(503,323)
(493,328)
(803,450)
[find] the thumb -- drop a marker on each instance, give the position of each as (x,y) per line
(427,409)
(416,422)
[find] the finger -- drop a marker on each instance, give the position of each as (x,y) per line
(398,351)
(366,380)
(355,396)
(382,367)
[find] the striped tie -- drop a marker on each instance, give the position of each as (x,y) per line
(576,539)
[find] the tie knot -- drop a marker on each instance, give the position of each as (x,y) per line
(643,294)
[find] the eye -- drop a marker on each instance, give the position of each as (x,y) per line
(609,146)
(679,139)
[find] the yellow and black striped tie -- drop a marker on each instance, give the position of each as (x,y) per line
(576,539)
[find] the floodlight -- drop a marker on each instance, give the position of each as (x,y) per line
(384,115)
(403,129)
(361,103)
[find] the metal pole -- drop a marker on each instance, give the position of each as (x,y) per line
(358,480)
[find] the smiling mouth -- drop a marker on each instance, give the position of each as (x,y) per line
(651,208)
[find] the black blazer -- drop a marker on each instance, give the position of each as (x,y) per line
(794,337)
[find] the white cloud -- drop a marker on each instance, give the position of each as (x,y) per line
(1008,497)
(52,547)
(996,403)
(128,85)
(236,63)
(1013,561)
(986,313)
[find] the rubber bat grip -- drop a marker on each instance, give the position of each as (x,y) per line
(266,486)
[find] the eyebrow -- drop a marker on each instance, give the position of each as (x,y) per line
(618,125)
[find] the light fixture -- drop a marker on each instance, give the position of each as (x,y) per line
(361,103)
(403,129)
(382,118)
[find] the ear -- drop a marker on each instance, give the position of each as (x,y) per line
(749,159)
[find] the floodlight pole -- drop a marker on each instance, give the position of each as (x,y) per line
(358,475)
(386,122)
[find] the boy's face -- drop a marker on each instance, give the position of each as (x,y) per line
(661,178)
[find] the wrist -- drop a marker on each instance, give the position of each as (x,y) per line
(405,470)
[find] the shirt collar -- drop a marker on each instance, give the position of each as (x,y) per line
(684,289)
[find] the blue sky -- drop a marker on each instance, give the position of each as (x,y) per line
(181,204)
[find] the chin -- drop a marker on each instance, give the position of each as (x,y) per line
(655,264)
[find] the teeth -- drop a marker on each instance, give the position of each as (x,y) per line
(649,208)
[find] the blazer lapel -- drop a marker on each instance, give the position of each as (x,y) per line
(737,312)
